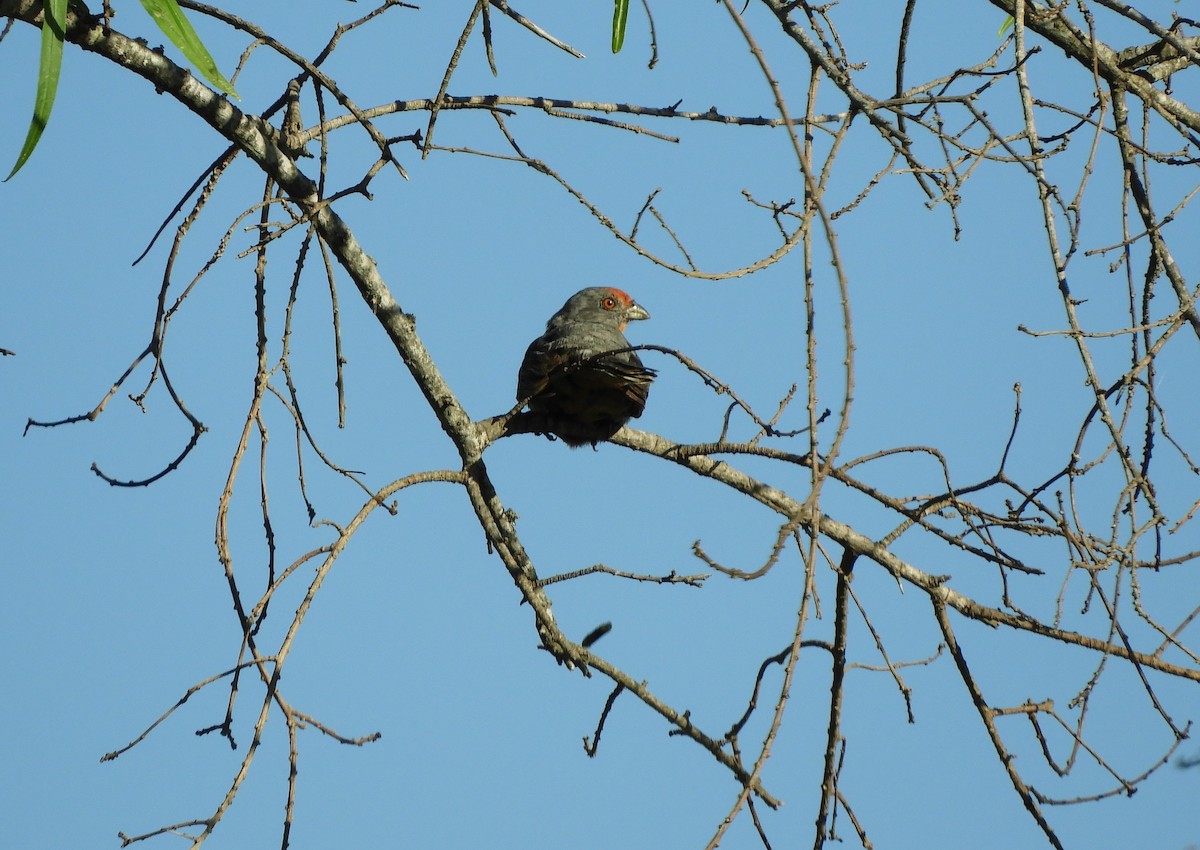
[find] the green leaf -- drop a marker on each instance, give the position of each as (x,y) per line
(54,27)
(620,16)
(175,26)
(1008,22)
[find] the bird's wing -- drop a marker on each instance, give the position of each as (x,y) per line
(541,359)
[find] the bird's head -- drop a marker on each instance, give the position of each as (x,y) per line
(604,304)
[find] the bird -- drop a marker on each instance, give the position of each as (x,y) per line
(580,376)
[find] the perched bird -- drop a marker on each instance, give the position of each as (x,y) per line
(579,375)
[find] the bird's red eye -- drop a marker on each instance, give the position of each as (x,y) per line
(609,303)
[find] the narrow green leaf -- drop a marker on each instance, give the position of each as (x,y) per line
(1008,22)
(620,16)
(175,26)
(54,28)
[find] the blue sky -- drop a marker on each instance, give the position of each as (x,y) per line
(116,603)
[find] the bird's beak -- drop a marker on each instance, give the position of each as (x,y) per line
(636,311)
